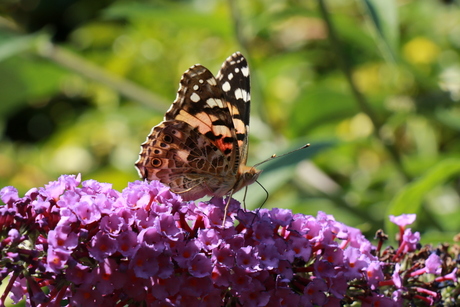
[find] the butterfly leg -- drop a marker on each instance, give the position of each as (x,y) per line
(226,207)
(244,197)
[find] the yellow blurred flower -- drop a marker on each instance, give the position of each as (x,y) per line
(368,77)
(421,50)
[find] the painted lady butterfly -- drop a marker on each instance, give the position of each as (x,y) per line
(201,147)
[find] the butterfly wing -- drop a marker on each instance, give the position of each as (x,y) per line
(181,157)
(201,103)
(196,149)
(233,79)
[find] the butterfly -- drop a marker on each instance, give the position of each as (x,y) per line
(201,146)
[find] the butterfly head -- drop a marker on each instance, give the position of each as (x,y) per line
(248,175)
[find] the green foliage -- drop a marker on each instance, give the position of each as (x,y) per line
(372,85)
(410,197)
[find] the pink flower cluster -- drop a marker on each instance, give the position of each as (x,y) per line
(90,244)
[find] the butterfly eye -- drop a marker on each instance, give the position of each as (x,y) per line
(156,162)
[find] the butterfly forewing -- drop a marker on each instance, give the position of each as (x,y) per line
(201,146)
(234,80)
(201,103)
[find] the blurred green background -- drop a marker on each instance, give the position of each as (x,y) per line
(374,86)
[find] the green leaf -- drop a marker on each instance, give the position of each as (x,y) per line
(335,107)
(12,46)
(295,157)
(409,199)
(384,17)
(278,172)
(435,238)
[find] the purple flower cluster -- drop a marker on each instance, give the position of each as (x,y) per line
(89,244)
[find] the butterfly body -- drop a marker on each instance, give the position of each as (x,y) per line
(201,146)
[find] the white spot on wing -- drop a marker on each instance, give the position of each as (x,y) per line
(245,71)
(237,70)
(195,87)
(213,102)
(230,76)
(242,94)
(201,81)
(226,87)
(212,81)
(194,97)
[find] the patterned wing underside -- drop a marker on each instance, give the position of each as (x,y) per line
(201,146)
(233,78)
(178,155)
(201,103)
(206,102)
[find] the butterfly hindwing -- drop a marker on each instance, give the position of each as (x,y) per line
(178,155)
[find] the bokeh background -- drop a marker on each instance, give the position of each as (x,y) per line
(374,86)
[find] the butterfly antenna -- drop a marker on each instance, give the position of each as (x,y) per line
(269,159)
(266,192)
(274,156)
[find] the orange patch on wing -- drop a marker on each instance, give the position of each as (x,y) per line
(222,130)
(223,146)
(240,127)
(202,121)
